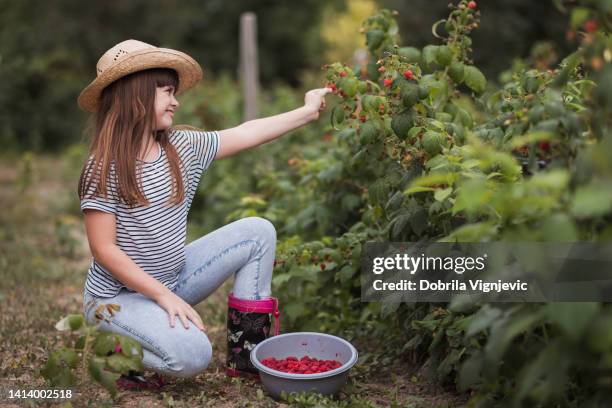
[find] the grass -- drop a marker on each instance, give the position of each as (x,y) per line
(43,262)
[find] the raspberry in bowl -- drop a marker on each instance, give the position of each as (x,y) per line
(303,361)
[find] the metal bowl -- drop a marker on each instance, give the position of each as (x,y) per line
(316,345)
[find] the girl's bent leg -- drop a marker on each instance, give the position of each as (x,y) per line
(245,247)
(174,351)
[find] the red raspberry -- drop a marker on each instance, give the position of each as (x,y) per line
(590,26)
(408,74)
(332,86)
(472,5)
(382,69)
(305,365)
(387,82)
(544,146)
(343,73)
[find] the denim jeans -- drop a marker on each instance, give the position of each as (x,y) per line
(244,248)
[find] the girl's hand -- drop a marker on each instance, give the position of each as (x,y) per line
(315,101)
(174,305)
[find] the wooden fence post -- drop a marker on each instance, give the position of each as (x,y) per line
(249,64)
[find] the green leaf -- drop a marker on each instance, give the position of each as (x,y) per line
(482,319)
(346,134)
(402,123)
(106,378)
(555,180)
(469,373)
(52,367)
(441,195)
(474,79)
(544,376)
(506,329)
(559,228)
(399,225)
(418,221)
(388,307)
(68,356)
(433,142)
(456,71)
(530,137)
(346,273)
(57,369)
(476,232)
(348,85)
(337,116)
(409,93)
(368,132)
(444,55)
(64,378)
(280,279)
(434,179)
(429,56)
(76,322)
(572,317)
(294,310)
(121,364)
(71,322)
(104,343)
(331,173)
(378,192)
(350,202)
(79,343)
(448,363)
(599,336)
(130,348)
(417,189)
(578,17)
(374,39)
(591,201)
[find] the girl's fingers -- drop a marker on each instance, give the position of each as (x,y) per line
(185,320)
(195,318)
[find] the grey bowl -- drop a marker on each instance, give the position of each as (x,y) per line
(300,344)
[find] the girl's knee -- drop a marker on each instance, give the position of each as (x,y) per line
(189,360)
(262,226)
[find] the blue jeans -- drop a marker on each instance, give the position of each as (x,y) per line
(245,248)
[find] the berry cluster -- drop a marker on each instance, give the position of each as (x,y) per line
(305,365)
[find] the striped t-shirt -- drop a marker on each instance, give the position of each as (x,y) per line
(153,236)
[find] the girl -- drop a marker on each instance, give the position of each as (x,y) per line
(135,191)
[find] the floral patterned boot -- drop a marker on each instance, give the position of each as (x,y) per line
(248,323)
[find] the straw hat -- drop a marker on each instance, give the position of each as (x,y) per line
(132,56)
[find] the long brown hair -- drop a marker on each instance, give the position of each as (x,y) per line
(126,111)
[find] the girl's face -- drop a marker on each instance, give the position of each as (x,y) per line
(165,105)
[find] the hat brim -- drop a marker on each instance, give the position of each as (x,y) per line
(188,70)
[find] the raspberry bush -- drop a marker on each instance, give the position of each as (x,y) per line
(425,148)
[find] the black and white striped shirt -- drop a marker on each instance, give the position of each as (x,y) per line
(153,236)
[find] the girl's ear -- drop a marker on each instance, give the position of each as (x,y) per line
(185,127)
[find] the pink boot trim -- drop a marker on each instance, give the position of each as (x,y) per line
(267,305)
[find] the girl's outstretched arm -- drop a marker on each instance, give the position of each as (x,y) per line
(259,131)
